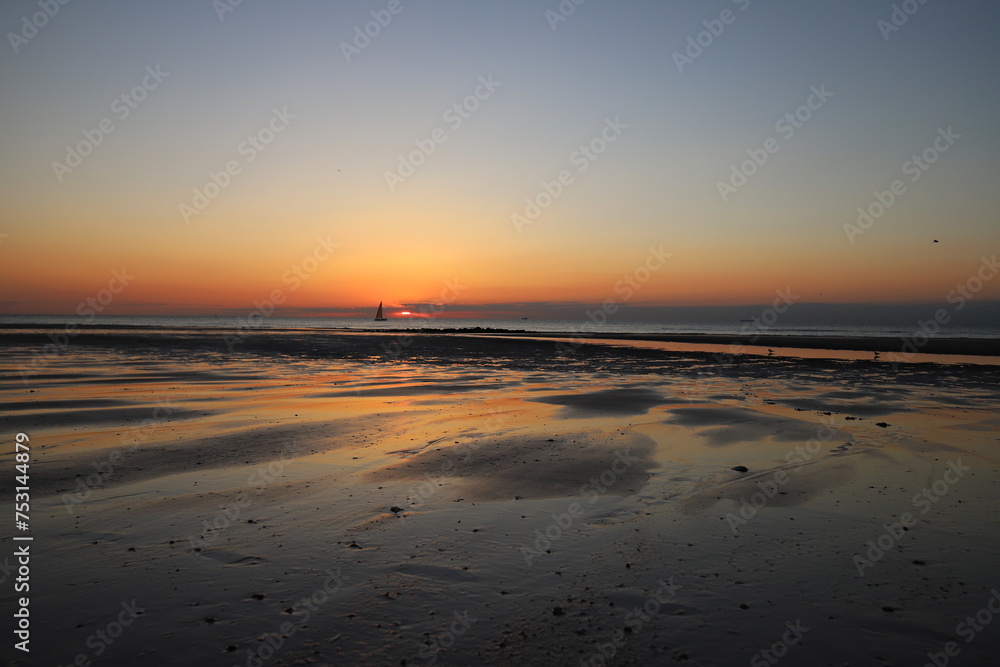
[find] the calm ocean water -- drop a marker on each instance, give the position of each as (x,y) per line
(531,325)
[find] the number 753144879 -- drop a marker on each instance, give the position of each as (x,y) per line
(22,458)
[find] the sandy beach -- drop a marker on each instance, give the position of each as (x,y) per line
(304,497)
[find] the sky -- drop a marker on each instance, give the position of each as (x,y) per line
(199,157)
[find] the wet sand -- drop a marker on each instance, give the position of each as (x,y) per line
(918,343)
(309,498)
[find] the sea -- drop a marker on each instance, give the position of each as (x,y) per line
(611,326)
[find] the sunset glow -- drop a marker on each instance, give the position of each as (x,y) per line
(500,332)
(540,175)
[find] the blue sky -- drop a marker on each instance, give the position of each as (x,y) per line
(657,184)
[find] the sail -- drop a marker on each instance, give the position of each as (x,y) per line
(378,315)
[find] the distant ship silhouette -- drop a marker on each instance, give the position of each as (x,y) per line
(378,315)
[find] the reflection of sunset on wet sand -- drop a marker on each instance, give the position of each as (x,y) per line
(502,479)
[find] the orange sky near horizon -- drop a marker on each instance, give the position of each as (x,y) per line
(200,281)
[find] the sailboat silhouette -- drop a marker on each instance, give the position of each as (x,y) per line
(378,315)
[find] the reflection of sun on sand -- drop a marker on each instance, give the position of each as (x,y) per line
(499,479)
